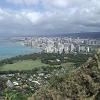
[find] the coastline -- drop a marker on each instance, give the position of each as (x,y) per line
(10,49)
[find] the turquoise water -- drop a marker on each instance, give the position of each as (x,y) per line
(10,49)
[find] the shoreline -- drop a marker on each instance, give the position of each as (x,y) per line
(15,49)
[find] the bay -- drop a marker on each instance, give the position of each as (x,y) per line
(10,49)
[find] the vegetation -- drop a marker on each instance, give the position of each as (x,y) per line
(19,58)
(56,78)
(14,95)
(81,84)
(22,65)
(29,62)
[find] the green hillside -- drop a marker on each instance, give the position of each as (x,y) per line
(81,84)
(22,65)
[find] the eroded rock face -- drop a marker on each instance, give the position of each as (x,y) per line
(81,84)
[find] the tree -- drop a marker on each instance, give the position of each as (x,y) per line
(14,95)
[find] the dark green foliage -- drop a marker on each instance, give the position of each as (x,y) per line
(97,97)
(49,58)
(81,84)
(15,95)
(2,86)
(18,58)
(62,86)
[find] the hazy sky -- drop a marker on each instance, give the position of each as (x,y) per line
(19,17)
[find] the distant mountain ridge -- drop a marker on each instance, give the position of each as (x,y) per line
(91,35)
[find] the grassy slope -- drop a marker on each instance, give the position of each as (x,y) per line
(29,65)
(23,65)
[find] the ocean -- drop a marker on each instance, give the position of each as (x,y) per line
(10,49)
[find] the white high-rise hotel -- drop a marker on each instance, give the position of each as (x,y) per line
(58,44)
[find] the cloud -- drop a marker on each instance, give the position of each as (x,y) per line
(31,2)
(24,2)
(33,17)
(59,16)
(56,3)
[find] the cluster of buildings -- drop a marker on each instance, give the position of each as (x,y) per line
(29,81)
(24,81)
(61,44)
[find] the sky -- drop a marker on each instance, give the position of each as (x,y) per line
(32,17)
